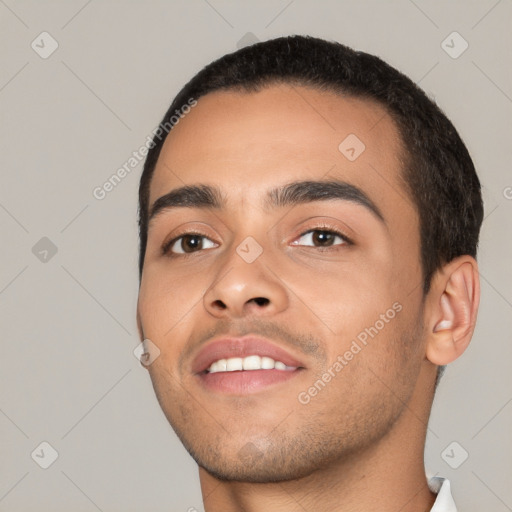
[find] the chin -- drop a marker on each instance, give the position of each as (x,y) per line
(261,474)
(250,465)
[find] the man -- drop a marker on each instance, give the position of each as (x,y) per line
(308,238)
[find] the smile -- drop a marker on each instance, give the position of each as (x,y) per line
(241,366)
(252,362)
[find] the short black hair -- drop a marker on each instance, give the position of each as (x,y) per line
(437,169)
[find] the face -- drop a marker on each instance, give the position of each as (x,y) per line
(314,288)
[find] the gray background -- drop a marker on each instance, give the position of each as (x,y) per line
(69,121)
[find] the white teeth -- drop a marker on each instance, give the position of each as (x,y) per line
(234,363)
(267,363)
(247,363)
(252,363)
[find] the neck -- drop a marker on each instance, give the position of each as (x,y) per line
(386,477)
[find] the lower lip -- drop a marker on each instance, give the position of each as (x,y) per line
(245,382)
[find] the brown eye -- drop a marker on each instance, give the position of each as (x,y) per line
(189,243)
(321,238)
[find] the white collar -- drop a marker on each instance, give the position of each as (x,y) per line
(444,501)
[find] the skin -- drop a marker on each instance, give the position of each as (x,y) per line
(358,444)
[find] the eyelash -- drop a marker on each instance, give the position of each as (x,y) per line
(324,228)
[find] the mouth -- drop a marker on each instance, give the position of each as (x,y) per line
(249,363)
(244,365)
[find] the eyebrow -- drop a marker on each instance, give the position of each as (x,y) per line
(291,194)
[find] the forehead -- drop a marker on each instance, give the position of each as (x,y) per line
(248,142)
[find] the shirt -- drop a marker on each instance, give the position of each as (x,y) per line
(444,501)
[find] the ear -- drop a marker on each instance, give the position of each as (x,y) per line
(452,307)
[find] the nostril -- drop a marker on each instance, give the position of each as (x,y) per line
(219,304)
(261,301)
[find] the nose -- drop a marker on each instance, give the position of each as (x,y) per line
(242,289)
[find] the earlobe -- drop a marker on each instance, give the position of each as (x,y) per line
(452,311)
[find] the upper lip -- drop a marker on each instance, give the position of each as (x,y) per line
(228,347)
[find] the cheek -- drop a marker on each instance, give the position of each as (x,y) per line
(363,317)
(347,297)
(166,297)
(167,306)
(372,369)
